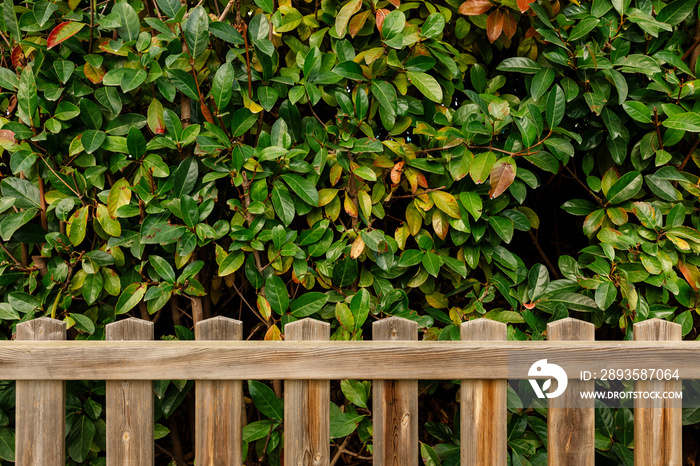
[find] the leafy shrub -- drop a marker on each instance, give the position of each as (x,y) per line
(349,161)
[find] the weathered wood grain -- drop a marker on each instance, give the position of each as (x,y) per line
(260,360)
(395,404)
(307,405)
(483,405)
(130,405)
(219,404)
(570,420)
(657,423)
(40,405)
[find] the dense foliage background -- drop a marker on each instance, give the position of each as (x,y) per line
(271,160)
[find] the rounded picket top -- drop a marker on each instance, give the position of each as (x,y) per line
(395,328)
(218,328)
(43,328)
(130,329)
(483,329)
(307,329)
(657,330)
(570,329)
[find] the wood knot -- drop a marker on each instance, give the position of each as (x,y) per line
(126,436)
(406,417)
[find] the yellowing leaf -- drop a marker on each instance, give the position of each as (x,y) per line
(414,219)
(357,247)
(344,15)
(440,224)
(119,195)
(77,226)
(365,203)
(447,203)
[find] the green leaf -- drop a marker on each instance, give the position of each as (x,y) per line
(308,304)
(163,233)
(231,263)
(432,263)
(92,139)
(556,106)
(302,188)
(625,188)
(90,114)
(637,111)
(185,177)
(83,322)
(226,32)
(12,222)
(283,204)
(80,439)
(162,267)
(130,297)
(687,121)
(276,294)
(359,307)
(538,280)
(573,301)
(675,12)
(184,82)
(77,226)
(25,193)
(366,173)
(583,27)
(265,400)
(385,95)
(541,82)
(132,79)
(91,289)
(242,121)
(130,25)
(345,272)
(8,79)
(27,100)
(342,424)
(196,30)
(433,26)
(519,65)
(222,86)
(472,202)
(503,227)
(169,7)
(355,392)
(7,444)
(426,84)
(11,26)
(605,294)
(136,143)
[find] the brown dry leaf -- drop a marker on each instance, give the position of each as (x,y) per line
(357,247)
(396,172)
(475,7)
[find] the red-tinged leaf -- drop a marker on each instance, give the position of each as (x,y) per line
(155,117)
(422,182)
(691,274)
(95,75)
(396,3)
(530,305)
(532,32)
(475,7)
(381,14)
(18,58)
(524,5)
(63,32)
(440,224)
(510,25)
(7,136)
(396,172)
(494,25)
(357,22)
(350,207)
(502,176)
(206,113)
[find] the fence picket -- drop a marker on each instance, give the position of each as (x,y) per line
(657,422)
(218,403)
(395,404)
(307,406)
(130,405)
(570,420)
(40,405)
(483,405)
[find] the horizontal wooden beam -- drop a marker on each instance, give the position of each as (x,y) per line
(241,360)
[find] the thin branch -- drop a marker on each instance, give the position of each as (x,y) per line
(690,153)
(340,451)
(7,251)
(255,311)
(550,266)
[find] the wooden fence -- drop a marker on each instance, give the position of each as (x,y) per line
(41,360)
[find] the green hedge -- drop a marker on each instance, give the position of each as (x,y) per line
(519,161)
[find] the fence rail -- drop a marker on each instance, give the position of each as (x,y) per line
(41,361)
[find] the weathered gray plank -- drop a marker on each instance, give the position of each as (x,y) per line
(657,422)
(571,421)
(260,360)
(483,405)
(40,405)
(218,403)
(130,405)
(307,405)
(395,404)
